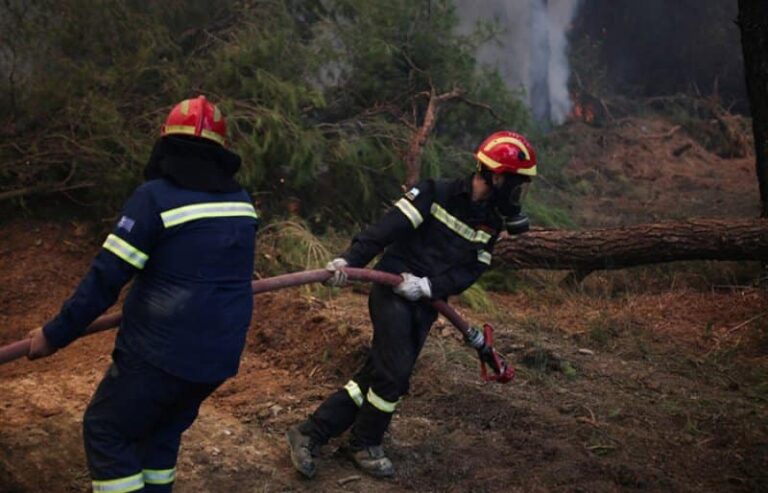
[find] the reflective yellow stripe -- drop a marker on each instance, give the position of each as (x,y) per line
(190,130)
(213,136)
(120,485)
(181,215)
(379,403)
(411,212)
(125,251)
(508,140)
(179,129)
(484,257)
(354,392)
(159,476)
(459,227)
(493,164)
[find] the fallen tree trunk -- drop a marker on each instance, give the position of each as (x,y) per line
(616,248)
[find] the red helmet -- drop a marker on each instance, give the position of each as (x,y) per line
(507,152)
(196,117)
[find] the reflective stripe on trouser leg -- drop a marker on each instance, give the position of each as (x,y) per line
(159,476)
(119,485)
(134,422)
(161,447)
(353,389)
(373,420)
(380,403)
(333,417)
(399,331)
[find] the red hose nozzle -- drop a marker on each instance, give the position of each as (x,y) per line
(502,372)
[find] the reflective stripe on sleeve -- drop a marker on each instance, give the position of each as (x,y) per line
(411,212)
(125,251)
(354,392)
(159,476)
(457,226)
(119,485)
(484,257)
(181,215)
(379,403)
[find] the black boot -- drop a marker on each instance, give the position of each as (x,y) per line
(371,460)
(303,451)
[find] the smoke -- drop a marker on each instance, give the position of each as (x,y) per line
(561,14)
(531,53)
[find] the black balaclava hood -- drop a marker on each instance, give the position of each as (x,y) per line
(194,164)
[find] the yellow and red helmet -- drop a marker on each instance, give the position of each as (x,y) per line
(196,117)
(507,152)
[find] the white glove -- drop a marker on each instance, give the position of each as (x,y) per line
(414,287)
(339,277)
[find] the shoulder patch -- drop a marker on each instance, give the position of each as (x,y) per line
(412,193)
(126,223)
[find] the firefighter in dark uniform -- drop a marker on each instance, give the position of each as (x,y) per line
(187,237)
(439,237)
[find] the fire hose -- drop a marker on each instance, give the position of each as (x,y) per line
(480,340)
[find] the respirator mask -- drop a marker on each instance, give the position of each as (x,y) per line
(507,197)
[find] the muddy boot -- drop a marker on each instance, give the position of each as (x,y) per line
(303,451)
(371,460)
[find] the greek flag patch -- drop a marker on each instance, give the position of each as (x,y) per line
(412,193)
(126,223)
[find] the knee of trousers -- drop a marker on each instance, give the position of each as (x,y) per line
(97,430)
(392,383)
(103,435)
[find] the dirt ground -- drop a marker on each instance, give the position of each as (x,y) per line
(660,391)
(649,379)
(631,169)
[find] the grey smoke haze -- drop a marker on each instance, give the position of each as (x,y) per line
(531,52)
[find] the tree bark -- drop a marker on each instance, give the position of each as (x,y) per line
(616,248)
(753,22)
(421,134)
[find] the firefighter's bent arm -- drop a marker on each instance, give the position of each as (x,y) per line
(124,253)
(407,214)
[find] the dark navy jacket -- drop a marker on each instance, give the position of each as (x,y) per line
(190,305)
(436,231)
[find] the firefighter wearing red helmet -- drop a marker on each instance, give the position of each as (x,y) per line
(506,161)
(439,237)
(187,235)
(198,118)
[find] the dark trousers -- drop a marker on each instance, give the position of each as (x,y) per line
(367,402)
(133,425)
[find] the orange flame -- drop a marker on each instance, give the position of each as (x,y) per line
(584,112)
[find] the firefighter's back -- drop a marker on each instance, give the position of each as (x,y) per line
(188,311)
